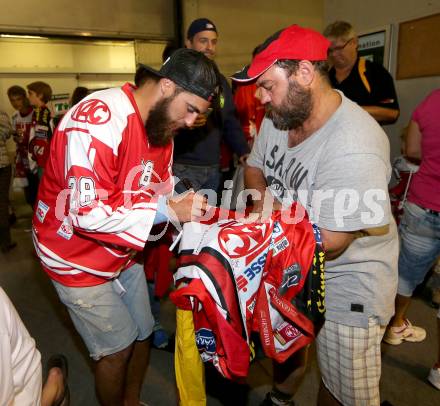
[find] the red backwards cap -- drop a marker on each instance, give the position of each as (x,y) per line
(293,42)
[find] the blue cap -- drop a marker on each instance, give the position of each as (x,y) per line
(199,25)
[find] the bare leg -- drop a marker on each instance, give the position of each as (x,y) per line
(136,371)
(110,376)
(53,388)
(402,304)
(288,375)
(325,398)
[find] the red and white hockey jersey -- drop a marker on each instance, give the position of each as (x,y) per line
(239,278)
(98,196)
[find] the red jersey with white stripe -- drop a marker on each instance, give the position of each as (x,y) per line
(98,197)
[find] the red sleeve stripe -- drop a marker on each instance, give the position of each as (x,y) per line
(71,129)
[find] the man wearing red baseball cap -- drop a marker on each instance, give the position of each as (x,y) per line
(319,148)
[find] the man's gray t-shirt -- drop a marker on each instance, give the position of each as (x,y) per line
(340,175)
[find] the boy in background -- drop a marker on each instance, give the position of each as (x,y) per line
(25,176)
(42,127)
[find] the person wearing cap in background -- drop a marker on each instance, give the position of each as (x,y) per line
(365,82)
(106,183)
(197,150)
(319,148)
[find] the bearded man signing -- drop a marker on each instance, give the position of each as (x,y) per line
(105,185)
(317,147)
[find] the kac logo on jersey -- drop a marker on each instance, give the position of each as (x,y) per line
(205,340)
(243,240)
(286,333)
(92,111)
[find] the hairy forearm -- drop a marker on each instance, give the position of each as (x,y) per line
(335,243)
(254,180)
(382,114)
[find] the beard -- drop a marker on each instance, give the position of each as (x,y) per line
(294,110)
(159,125)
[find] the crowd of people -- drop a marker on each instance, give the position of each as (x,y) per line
(304,122)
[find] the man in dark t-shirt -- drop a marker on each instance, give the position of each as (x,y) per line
(197,150)
(367,83)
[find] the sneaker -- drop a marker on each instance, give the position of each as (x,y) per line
(407,332)
(160,338)
(434,377)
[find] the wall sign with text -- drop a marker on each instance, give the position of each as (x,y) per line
(374,46)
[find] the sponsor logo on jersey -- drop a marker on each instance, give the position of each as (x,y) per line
(42,209)
(92,111)
(255,268)
(291,277)
(205,340)
(251,305)
(277,230)
(280,246)
(65,230)
(147,172)
(242,283)
(251,272)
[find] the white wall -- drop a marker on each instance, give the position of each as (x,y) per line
(67,63)
(242,25)
(122,18)
(379,13)
(64,64)
(23,55)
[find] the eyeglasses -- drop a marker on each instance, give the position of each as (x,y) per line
(339,48)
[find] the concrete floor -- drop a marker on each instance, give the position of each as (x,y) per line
(404,371)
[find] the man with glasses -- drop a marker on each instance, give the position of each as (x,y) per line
(367,83)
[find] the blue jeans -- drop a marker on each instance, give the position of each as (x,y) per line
(202,178)
(111,316)
(419,246)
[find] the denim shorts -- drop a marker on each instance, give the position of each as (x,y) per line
(111,316)
(419,246)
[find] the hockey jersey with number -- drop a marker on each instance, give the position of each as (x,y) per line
(40,136)
(98,196)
